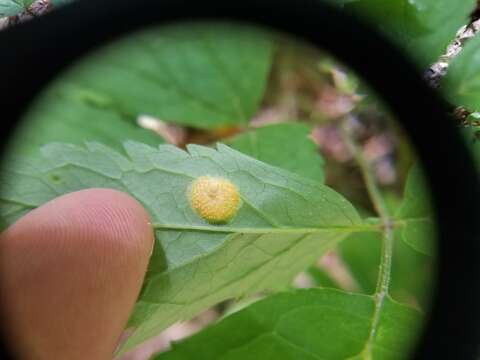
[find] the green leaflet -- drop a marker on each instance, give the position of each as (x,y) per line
(205,75)
(284,225)
(305,324)
(285,145)
(13,7)
(422,27)
(415,216)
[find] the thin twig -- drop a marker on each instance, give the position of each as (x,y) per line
(439,69)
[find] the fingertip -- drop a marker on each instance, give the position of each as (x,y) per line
(75,263)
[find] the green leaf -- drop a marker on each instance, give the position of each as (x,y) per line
(75,117)
(285,145)
(462,82)
(305,324)
(361,254)
(13,7)
(322,278)
(205,75)
(422,27)
(284,224)
(412,275)
(415,215)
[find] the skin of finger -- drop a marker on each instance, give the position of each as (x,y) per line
(70,273)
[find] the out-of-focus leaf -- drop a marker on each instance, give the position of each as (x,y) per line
(361,254)
(416,228)
(285,145)
(75,117)
(205,75)
(321,278)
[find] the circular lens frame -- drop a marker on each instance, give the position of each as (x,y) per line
(45,46)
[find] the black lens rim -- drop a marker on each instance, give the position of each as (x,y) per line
(34,52)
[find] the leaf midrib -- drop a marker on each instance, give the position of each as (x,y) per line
(273,230)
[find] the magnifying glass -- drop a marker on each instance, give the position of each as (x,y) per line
(259,155)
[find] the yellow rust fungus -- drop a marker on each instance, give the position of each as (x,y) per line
(215,199)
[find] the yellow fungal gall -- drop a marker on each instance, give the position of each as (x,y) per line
(215,199)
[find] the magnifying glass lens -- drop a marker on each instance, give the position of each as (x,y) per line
(290,211)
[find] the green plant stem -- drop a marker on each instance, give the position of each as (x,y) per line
(385,268)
